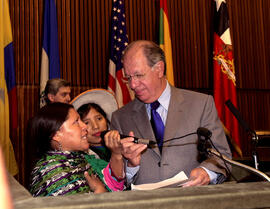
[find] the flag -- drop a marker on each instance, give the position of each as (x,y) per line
(165,39)
(119,40)
(50,60)
(8,92)
(224,73)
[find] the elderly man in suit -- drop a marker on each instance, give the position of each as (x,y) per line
(181,111)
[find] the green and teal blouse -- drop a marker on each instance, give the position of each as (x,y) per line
(62,173)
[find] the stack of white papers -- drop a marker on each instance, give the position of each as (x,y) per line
(177,180)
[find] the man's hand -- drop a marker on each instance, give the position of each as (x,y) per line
(198,177)
(131,151)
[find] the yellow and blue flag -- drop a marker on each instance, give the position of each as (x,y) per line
(8,93)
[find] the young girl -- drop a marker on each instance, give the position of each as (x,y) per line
(95,108)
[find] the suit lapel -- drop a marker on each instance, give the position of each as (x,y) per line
(142,123)
(175,115)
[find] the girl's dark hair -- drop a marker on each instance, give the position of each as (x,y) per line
(84,110)
(46,123)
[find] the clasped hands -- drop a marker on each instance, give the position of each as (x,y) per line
(132,152)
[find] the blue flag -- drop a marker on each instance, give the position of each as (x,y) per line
(50,61)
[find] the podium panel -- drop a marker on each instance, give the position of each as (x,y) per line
(263,146)
(227,195)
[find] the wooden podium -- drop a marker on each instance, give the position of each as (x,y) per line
(263,146)
(227,195)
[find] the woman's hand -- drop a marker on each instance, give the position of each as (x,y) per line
(94,183)
(113,142)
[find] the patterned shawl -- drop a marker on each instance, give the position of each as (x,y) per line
(62,173)
(102,151)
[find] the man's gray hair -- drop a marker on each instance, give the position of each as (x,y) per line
(151,50)
(53,86)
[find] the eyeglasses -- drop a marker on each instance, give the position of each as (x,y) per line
(136,77)
(139,77)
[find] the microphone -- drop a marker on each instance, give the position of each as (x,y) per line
(204,132)
(203,142)
(200,132)
(204,147)
(136,140)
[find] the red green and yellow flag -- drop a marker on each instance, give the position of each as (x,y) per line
(165,39)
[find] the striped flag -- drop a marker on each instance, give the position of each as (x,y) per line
(8,92)
(224,73)
(50,60)
(165,39)
(119,40)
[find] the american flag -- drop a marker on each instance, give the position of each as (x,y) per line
(119,40)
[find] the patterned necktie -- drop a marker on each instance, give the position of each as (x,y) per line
(157,124)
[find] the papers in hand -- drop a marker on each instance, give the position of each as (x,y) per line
(178,180)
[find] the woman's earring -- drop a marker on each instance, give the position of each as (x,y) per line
(60,148)
(57,146)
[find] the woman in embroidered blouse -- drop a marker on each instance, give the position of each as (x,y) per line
(63,164)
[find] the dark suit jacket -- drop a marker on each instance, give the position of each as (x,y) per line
(187,112)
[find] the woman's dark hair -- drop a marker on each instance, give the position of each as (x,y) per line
(84,110)
(46,123)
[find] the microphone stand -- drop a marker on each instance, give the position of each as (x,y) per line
(254,148)
(205,145)
(254,138)
(253,170)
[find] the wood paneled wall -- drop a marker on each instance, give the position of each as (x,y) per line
(84,29)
